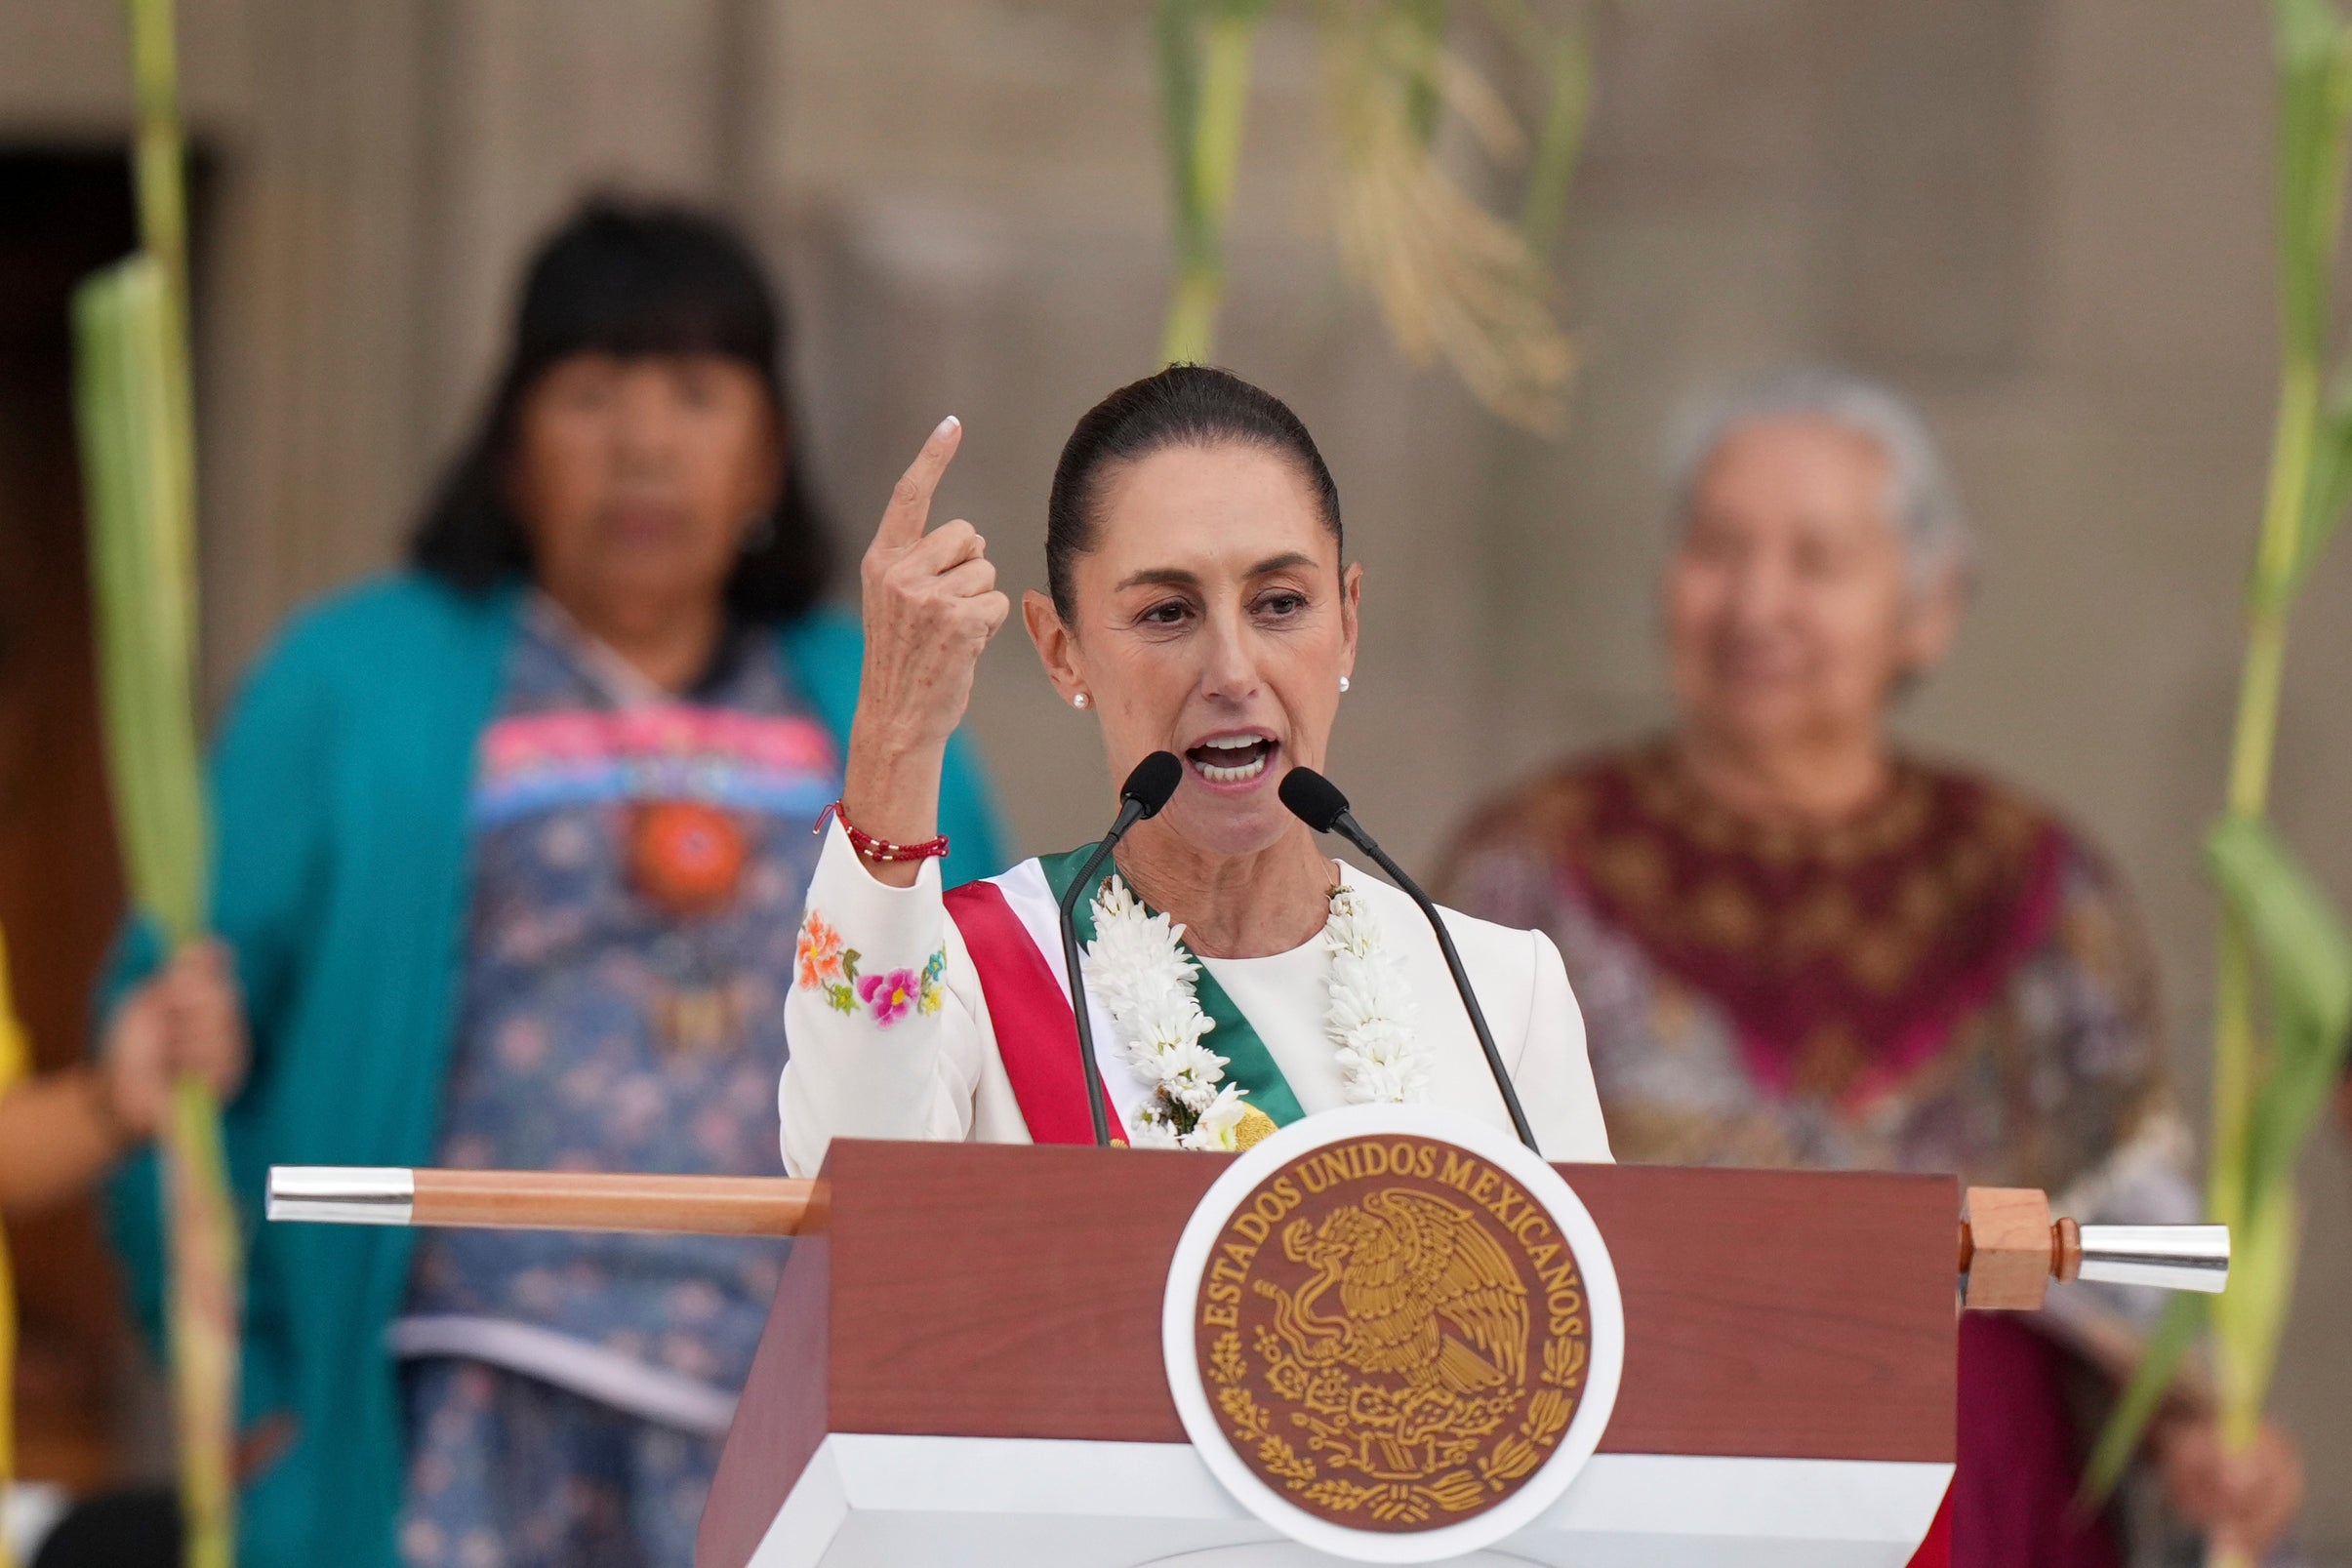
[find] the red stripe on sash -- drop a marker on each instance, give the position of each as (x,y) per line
(1936,1551)
(1035,1036)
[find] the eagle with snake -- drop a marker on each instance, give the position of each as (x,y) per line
(1425,1294)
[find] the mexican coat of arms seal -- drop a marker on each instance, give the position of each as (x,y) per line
(1393,1333)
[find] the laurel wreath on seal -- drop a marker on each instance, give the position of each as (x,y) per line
(1547,1416)
(1456,1490)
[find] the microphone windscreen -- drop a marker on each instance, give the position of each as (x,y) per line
(1152,781)
(1313,798)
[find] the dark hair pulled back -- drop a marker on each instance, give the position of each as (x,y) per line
(631,279)
(1183,405)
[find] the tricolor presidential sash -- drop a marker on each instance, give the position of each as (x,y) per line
(1011,927)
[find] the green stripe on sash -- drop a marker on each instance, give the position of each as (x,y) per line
(1248,1064)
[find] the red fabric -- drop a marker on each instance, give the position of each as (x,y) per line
(1036,1034)
(1845,954)
(2012,1502)
(1936,1551)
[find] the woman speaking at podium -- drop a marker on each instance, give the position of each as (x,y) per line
(1240,978)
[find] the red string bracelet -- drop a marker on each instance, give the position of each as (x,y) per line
(881,849)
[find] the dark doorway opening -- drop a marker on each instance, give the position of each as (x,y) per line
(64,213)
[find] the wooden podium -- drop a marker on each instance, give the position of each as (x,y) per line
(963,1366)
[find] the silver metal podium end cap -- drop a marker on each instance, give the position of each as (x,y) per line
(2169,1256)
(342,1195)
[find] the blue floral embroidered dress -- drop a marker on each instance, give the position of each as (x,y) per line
(640,862)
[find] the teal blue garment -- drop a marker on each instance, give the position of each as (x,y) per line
(340,783)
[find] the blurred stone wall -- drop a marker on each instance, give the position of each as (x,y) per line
(2048,220)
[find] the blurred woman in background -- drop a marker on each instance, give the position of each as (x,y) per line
(1797,945)
(512,848)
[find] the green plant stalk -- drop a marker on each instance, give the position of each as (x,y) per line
(2235,1073)
(2237,1067)
(2243,1367)
(160,167)
(2249,1318)
(141,588)
(2246,1329)
(2246,1320)
(2169,1345)
(160,178)
(1423,23)
(144,552)
(1190,334)
(1561,144)
(204,1322)
(1209,166)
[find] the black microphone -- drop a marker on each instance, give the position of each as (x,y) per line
(1145,791)
(1317,801)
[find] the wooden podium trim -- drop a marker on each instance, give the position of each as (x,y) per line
(595,1200)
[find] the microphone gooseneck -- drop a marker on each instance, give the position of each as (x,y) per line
(1318,802)
(1145,791)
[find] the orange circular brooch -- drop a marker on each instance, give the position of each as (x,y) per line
(685,855)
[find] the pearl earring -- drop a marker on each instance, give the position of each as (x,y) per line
(1342,683)
(1079,701)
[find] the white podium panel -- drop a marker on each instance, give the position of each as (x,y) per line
(890,1502)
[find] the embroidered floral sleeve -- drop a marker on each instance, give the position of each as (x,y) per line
(879,1047)
(830,967)
(825,964)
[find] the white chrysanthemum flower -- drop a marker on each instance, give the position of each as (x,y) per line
(1153,1130)
(1215,1127)
(1190,1073)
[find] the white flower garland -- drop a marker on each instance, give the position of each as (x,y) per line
(1370,1018)
(1139,969)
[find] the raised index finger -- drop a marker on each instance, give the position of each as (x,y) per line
(910,509)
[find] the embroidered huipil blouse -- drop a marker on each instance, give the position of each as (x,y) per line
(1950,980)
(916,1014)
(613,1022)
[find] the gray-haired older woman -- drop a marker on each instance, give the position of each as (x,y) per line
(1798,945)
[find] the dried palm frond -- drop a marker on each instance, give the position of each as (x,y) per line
(1436,81)
(1451,278)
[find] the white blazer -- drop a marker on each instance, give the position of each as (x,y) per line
(936,1073)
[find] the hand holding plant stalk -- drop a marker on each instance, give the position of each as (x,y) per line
(139,460)
(2282,990)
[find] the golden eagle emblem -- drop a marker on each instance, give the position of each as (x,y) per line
(1424,1294)
(1375,1334)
